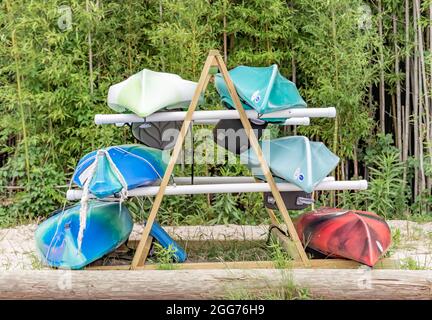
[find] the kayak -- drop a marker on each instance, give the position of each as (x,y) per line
(108,226)
(160,135)
(117,167)
(148,91)
(263,89)
(230,134)
(294,159)
(352,234)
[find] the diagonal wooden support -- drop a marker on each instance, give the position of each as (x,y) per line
(264,166)
(214,59)
(141,251)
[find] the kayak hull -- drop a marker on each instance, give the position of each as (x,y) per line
(263,89)
(294,159)
(147,92)
(139,165)
(108,226)
(357,235)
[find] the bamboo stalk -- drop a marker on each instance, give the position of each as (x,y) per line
(225,42)
(415,103)
(424,100)
(394,117)
(425,96)
(398,89)
(422,184)
(336,79)
(407,91)
(90,53)
(294,79)
(430,90)
(381,59)
(355,160)
(19,91)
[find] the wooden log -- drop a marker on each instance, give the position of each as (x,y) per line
(214,283)
(292,264)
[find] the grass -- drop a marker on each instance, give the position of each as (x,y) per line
(217,251)
(36,262)
(278,254)
(423,218)
(395,244)
(224,251)
(411,264)
(164,257)
(286,291)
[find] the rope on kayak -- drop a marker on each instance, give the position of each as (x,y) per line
(59,221)
(86,192)
(84,201)
(124,190)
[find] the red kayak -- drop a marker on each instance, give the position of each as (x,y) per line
(357,235)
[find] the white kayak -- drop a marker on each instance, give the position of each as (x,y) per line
(148,91)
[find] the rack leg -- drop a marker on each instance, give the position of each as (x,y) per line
(140,254)
(256,147)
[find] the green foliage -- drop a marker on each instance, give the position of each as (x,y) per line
(164,256)
(334,67)
(286,290)
(279,255)
(261,32)
(387,194)
(54,79)
(411,264)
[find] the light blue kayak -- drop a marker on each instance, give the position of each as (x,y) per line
(108,226)
(138,165)
(263,89)
(294,159)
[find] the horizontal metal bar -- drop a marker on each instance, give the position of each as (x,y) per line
(232,188)
(219,180)
(214,115)
(302,121)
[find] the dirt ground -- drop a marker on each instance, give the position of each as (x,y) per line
(412,242)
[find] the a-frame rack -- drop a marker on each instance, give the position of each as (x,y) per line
(214,60)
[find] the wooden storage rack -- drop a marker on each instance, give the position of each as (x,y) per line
(291,243)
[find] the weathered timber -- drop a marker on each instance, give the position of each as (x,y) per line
(214,283)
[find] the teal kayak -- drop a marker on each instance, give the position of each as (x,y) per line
(294,159)
(108,225)
(263,89)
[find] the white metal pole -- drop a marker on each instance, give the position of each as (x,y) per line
(214,115)
(219,180)
(232,188)
(302,121)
